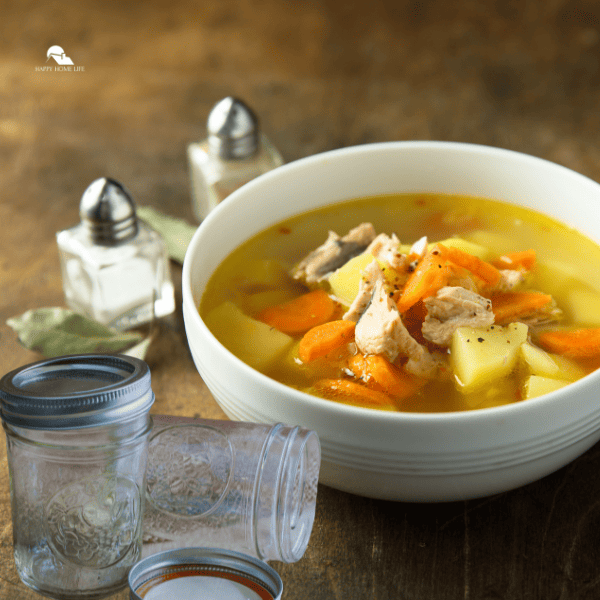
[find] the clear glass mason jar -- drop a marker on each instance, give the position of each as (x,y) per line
(246,487)
(77,432)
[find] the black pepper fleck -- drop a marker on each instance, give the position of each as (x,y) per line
(480,339)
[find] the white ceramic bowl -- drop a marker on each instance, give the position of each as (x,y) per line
(401,456)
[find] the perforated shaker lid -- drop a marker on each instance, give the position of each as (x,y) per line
(233,129)
(108,213)
(76,391)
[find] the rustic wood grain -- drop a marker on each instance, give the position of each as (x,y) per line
(321,74)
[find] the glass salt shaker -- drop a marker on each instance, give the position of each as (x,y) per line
(234,153)
(237,486)
(115,268)
(77,435)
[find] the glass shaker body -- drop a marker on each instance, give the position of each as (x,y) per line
(77,432)
(237,486)
(213,178)
(121,286)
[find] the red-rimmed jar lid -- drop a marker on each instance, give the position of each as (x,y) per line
(207,573)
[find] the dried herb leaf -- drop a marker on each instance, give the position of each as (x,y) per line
(55,331)
(176,233)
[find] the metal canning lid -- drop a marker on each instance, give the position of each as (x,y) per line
(76,391)
(230,571)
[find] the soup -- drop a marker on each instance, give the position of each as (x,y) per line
(419,302)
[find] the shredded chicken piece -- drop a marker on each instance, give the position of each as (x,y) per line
(465,281)
(451,308)
(510,280)
(386,248)
(370,275)
(334,253)
(380,330)
(419,247)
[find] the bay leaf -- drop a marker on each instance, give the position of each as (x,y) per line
(56,331)
(176,233)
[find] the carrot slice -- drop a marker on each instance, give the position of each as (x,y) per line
(300,314)
(508,306)
(344,390)
(431,274)
(392,380)
(480,268)
(523,260)
(325,338)
(578,343)
(413,320)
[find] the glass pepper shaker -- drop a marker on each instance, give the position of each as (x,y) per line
(115,268)
(234,153)
(77,432)
(245,487)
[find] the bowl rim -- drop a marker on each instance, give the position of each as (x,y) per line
(337,409)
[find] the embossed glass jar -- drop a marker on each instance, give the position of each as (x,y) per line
(77,432)
(246,487)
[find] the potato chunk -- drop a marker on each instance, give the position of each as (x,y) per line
(569,369)
(536,385)
(583,306)
(254,342)
(538,362)
(469,247)
(494,242)
(555,277)
(261,274)
(481,355)
(546,364)
(346,280)
(498,393)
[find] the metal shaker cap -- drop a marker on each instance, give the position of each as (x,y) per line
(233,130)
(76,391)
(108,212)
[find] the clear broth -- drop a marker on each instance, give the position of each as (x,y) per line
(410,216)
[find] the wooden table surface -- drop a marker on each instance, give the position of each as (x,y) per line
(321,74)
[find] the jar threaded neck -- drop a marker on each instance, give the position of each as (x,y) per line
(284,493)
